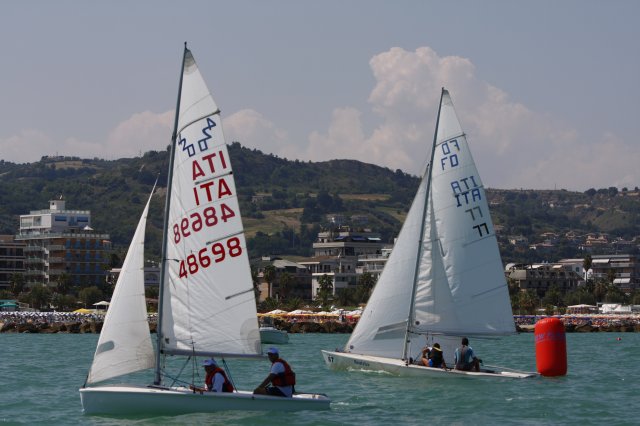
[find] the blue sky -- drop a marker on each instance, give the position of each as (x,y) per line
(547,91)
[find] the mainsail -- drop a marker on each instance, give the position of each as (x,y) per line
(208,304)
(451,282)
(125,345)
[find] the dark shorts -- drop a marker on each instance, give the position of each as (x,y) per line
(274,391)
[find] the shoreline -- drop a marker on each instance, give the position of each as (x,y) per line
(52,323)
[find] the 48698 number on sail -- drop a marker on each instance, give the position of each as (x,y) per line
(217,253)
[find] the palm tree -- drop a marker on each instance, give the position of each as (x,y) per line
(325,289)
(366,282)
(284,284)
(269,274)
(17,284)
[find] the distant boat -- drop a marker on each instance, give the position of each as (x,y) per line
(207,304)
(444,278)
(270,334)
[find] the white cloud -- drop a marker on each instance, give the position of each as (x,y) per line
(27,146)
(513,145)
(142,132)
(253,130)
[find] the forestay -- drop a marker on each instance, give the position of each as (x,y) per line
(208,299)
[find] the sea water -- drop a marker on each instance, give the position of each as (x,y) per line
(40,375)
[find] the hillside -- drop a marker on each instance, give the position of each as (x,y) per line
(285,203)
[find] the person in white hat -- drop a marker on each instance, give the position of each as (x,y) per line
(215,380)
(281,377)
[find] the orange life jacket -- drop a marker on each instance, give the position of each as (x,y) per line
(288,378)
(226,386)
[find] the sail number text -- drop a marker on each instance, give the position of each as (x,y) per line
(205,257)
(197,221)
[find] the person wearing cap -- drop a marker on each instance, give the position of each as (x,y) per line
(464,357)
(215,380)
(281,377)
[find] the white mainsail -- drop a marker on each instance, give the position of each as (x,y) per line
(455,271)
(461,287)
(208,304)
(125,344)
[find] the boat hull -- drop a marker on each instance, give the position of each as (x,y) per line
(132,399)
(398,367)
(273,335)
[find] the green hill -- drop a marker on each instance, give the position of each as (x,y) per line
(285,203)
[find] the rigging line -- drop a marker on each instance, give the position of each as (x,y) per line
(228,370)
(195,120)
(230,172)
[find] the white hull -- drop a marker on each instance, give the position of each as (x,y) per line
(398,367)
(131,399)
(273,335)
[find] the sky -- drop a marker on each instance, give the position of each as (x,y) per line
(547,91)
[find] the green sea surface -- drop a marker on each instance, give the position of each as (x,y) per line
(40,375)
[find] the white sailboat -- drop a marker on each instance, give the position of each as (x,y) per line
(207,304)
(270,334)
(444,278)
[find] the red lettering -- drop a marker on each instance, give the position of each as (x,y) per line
(223,188)
(196,170)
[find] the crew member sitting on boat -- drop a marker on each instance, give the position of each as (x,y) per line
(465,358)
(436,358)
(216,379)
(424,357)
(281,377)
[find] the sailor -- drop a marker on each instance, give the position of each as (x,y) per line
(436,358)
(216,379)
(281,377)
(465,358)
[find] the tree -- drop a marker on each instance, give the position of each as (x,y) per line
(325,289)
(17,284)
(345,296)
(285,280)
(269,274)
(39,296)
(90,295)
(528,302)
(366,282)
(63,284)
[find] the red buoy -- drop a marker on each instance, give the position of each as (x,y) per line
(551,347)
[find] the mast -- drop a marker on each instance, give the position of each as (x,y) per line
(411,317)
(163,272)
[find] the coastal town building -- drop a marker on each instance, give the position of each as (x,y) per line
(623,268)
(541,277)
(60,242)
(12,259)
(151,276)
(341,253)
(289,280)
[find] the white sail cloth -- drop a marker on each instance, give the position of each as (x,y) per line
(208,299)
(460,287)
(125,344)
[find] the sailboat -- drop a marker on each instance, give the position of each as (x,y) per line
(207,306)
(444,278)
